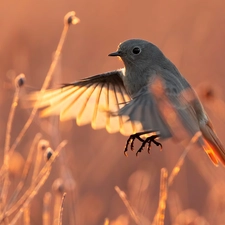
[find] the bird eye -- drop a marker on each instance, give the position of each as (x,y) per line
(136,50)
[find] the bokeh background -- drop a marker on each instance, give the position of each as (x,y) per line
(190,33)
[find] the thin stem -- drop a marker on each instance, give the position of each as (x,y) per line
(46,81)
(26,169)
(5,168)
(61,209)
(160,213)
(38,182)
(46,217)
(133,214)
(180,162)
(26,215)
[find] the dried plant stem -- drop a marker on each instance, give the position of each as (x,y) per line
(46,218)
(25,171)
(72,203)
(30,195)
(56,212)
(4,191)
(166,182)
(106,222)
(133,214)
(9,125)
(33,189)
(45,84)
(37,164)
(61,209)
(160,213)
(8,150)
(26,216)
(180,162)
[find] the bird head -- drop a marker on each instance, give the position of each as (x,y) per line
(139,53)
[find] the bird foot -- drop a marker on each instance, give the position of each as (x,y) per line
(148,141)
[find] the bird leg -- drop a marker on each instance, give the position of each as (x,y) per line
(148,141)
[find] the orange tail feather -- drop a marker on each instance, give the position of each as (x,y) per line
(213,146)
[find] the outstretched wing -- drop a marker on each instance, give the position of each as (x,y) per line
(89,100)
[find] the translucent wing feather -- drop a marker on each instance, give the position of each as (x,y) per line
(90,100)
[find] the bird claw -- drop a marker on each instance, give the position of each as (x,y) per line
(130,141)
(148,141)
(149,147)
(139,150)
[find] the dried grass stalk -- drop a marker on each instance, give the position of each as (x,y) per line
(130,209)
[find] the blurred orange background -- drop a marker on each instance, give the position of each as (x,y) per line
(190,33)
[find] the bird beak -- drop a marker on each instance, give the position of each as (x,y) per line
(115,54)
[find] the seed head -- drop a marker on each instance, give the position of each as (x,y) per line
(20,80)
(70,18)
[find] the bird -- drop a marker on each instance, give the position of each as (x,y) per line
(148,96)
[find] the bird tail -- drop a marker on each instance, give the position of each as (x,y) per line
(213,146)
